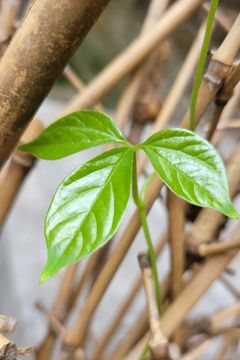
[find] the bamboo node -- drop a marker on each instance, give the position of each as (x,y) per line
(216,73)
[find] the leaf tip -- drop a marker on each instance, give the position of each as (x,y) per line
(46,274)
(231,211)
(44,277)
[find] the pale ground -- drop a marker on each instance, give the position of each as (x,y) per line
(23,254)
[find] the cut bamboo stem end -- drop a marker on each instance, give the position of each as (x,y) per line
(219,68)
(7,324)
(191,293)
(111,329)
(9,351)
(217,247)
(158,343)
(139,328)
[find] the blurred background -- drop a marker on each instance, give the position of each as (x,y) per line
(22,244)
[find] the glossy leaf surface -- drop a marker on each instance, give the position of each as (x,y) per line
(191,167)
(87,208)
(72,133)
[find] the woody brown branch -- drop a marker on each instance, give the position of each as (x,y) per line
(29,68)
(19,165)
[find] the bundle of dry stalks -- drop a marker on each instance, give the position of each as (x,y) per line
(200,252)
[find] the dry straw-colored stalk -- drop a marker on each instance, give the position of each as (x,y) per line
(158,343)
(126,102)
(208,89)
(134,54)
(16,170)
(192,292)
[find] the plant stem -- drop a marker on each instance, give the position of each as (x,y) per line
(202,61)
(142,212)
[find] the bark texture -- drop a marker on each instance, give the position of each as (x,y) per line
(45,41)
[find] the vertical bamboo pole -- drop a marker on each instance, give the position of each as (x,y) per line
(176,213)
(38,53)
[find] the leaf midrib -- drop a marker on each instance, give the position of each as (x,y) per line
(109,177)
(104,134)
(182,152)
(184,175)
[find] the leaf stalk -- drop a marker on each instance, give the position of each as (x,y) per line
(143,215)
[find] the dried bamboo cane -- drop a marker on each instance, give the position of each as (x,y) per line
(73,78)
(224,314)
(177,89)
(78,84)
(176,213)
(9,351)
(59,311)
(234,124)
(40,49)
(111,329)
(211,324)
(220,18)
(230,287)
(76,336)
(217,247)
(223,97)
(176,311)
(230,340)
(138,329)
(219,68)
(7,324)
(126,102)
(227,114)
(158,343)
(134,54)
(19,166)
(208,222)
(194,353)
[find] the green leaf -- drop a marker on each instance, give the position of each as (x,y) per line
(87,208)
(72,133)
(191,167)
